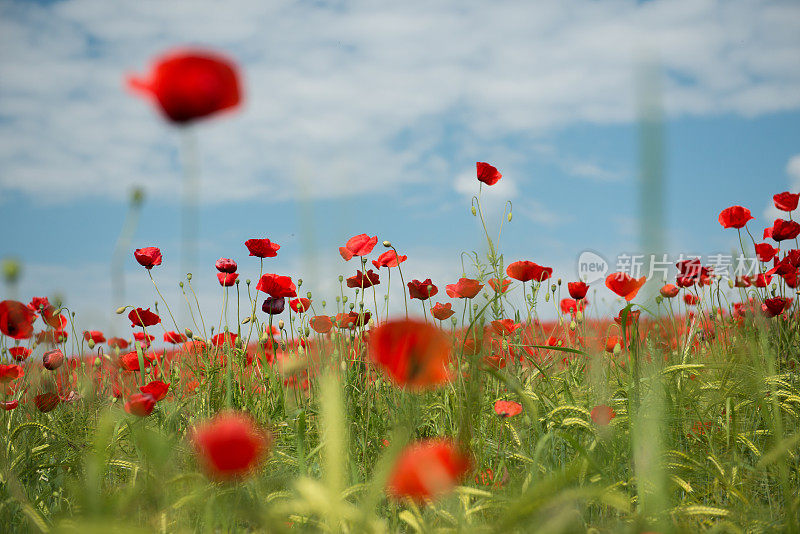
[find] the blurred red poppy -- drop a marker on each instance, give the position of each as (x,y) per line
(190,84)
(53,317)
(9,372)
(389,259)
(742,281)
(19,353)
(359,245)
(130,361)
(782,230)
(691,299)
(577,290)
(786,201)
(775,306)
(427,469)
(669,291)
(442,311)
(422,290)
(762,280)
(624,285)
(487,173)
(416,355)
(16,319)
(95,335)
(611,343)
(735,217)
(37,304)
(140,404)
(499,285)
(9,405)
(364,280)
(602,414)
(525,271)
(225,265)
(505,327)
(143,318)
(223,338)
(321,324)
(300,305)
(277,286)
(145,339)
(507,408)
(118,342)
(230,445)
(52,359)
(156,389)
(148,257)
(46,402)
(262,248)
(465,288)
(174,337)
(227,279)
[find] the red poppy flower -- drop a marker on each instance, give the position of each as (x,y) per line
(148,257)
(156,389)
(525,271)
(572,306)
(230,445)
(37,304)
(416,355)
(611,343)
(52,359)
(602,414)
(487,174)
(442,311)
(321,324)
(174,337)
(499,285)
(46,402)
(222,338)
(351,319)
(140,404)
(766,252)
(190,84)
(505,327)
(465,288)
(9,372)
(359,245)
(631,318)
(53,318)
(791,278)
(9,405)
(786,201)
(775,306)
(95,335)
(577,290)
(669,291)
(782,230)
(19,353)
(273,306)
(762,280)
(507,408)
(427,469)
(364,280)
(225,265)
(262,248)
(277,286)
(422,290)
(16,319)
(145,339)
(735,217)
(227,279)
(130,361)
(300,305)
(143,318)
(742,281)
(389,259)
(118,342)
(691,299)
(624,285)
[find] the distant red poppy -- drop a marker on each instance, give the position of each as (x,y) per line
(143,318)
(130,361)
(691,299)
(569,305)
(351,319)
(53,317)
(577,290)
(223,338)
(499,285)
(16,319)
(359,245)
(300,305)
(277,286)
(611,343)
(602,414)
(742,281)
(775,306)
(505,327)
(487,173)
(225,265)
(9,372)
(262,248)
(19,353)
(364,280)
(118,342)
(631,318)
(37,304)
(507,408)
(669,291)
(422,290)
(145,339)
(52,337)
(525,271)
(140,404)
(9,405)
(389,259)
(227,279)
(46,402)
(52,359)
(427,469)
(766,252)
(190,84)
(782,230)
(786,201)
(442,311)
(321,324)
(465,288)
(95,335)
(156,389)
(416,355)
(762,280)
(173,337)
(735,217)
(148,257)
(624,285)
(230,446)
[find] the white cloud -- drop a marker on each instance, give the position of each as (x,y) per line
(358,93)
(793,172)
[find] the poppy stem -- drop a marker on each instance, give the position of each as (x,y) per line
(150,274)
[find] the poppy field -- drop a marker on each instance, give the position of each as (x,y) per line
(496,402)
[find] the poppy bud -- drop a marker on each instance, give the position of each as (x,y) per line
(617,349)
(474,211)
(730,284)
(188,333)
(387,244)
(547,297)
(121,310)
(11,270)
(281,324)
(454,320)
(579,316)
(246,320)
(247,281)
(659,299)
(97,362)
(189,276)
(299,282)
(553,288)
(572,325)
(344,299)
(91,343)
(509,216)
(559,281)
(323,303)
(180,285)
(341,278)
(307,332)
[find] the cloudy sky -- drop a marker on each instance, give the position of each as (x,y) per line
(368,117)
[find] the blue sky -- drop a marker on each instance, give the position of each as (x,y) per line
(362,118)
